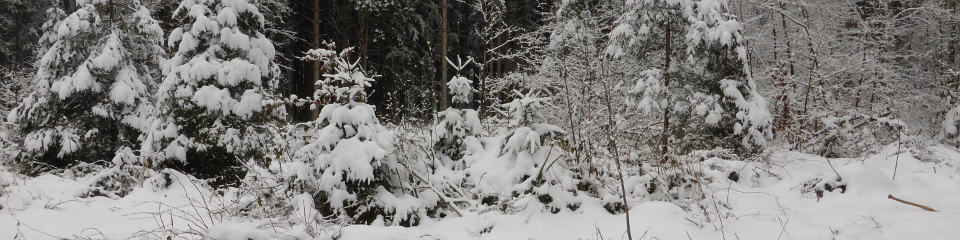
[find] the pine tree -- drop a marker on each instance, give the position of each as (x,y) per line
(93,80)
(700,78)
(458,124)
(343,160)
(215,97)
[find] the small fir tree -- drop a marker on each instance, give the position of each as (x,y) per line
(458,124)
(91,94)
(341,159)
(215,97)
(700,85)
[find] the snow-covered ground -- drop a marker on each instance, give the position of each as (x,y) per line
(767,202)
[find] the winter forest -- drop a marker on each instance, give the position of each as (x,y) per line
(479,119)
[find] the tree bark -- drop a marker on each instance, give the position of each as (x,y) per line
(665,135)
(69,6)
(316,64)
(443,55)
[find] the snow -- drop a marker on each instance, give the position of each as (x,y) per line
(214,99)
(766,203)
(227,17)
(187,41)
(353,157)
(237,71)
(951,121)
(69,141)
(234,39)
(110,55)
(460,89)
(250,102)
(76,22)
(237,231)
(312,180)
(79,81)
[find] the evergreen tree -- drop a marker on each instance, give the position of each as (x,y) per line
(92,83)
(526,166)
(215,97)
(458,124)
(342,161)
(699,82)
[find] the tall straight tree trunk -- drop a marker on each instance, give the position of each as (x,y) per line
(665,135)
(316,64)
(69,6)
(953,57)
(786,37)
(443,55)
(954,51)
(365,37)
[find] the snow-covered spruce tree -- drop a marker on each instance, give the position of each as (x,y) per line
(459,123)
(697,83)
(528,164)
(214,98)
(342,159)
(91,94)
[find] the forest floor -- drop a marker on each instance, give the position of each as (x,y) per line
(773,200)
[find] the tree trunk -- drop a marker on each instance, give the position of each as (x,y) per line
(316,64)
(665,135)
(69,6)
(786,37)
(443,55)
(365,37)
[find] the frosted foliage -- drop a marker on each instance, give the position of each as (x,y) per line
(518,166)
(459,86)
(222,74)
(347,84)
(754,118)
(710,29)
(91,75)
(342,155)
(649,87)
(462,123)
(519,110)
(531,139)
(456,128)
(460,89)
(708,22)
(951,122)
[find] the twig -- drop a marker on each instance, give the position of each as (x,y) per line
(443,197)
(838,173)
(890,196)
(644,235)
(599,235)
(616,155)
(719,216)
(897,163)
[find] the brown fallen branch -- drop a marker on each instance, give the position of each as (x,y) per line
(890,196)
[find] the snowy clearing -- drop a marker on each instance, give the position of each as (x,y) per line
(765,203)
